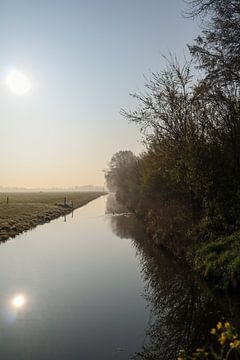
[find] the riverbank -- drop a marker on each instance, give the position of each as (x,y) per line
(212,252)
(217,260)
(23,211)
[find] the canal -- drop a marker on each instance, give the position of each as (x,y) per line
(90,286)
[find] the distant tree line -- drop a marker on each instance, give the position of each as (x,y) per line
(188,177)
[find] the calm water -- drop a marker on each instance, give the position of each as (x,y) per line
(90,288)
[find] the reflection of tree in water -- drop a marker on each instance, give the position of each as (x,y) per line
(182,309)
(123,224)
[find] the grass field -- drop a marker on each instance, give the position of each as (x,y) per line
(27,210)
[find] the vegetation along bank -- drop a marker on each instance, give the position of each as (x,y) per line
(186,184)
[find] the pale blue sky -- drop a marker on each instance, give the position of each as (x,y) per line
(83,58)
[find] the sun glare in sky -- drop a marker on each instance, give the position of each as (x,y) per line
(18,301)
(17,82)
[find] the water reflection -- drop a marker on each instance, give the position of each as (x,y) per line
(67,286)
(66,216)
(182,308)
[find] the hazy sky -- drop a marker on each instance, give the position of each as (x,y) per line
(83,57)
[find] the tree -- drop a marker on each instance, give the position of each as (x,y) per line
(217,50)
(173,120)
(123,175)
(217,53)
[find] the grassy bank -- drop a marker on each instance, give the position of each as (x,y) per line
(23,211)
(218,261)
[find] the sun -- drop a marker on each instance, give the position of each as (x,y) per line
(18,301)
(17,82)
